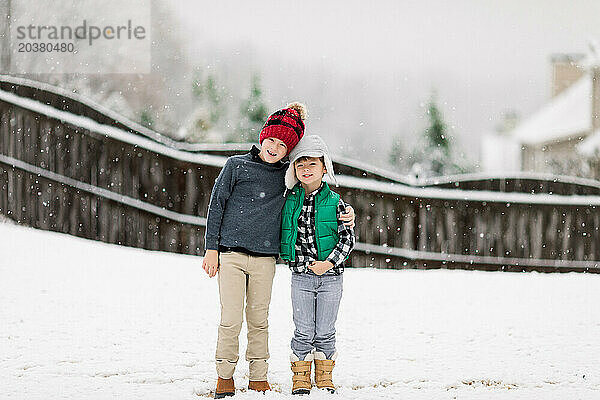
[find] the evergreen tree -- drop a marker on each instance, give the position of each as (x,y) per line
(206,121)
(253,113)
(436,132)
(437,158)
(146,119)
(211,97)
(398,156)
(432,155)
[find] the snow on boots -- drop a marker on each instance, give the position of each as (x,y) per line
(301,378)
(323,369)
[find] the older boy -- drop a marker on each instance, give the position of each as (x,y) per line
(315,242)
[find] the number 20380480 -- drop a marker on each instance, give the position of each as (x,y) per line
(46,47)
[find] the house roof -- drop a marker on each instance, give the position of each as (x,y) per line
(591,145)
(565,116)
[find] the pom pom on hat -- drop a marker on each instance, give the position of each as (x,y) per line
(301,108)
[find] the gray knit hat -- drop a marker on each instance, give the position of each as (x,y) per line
(308,146)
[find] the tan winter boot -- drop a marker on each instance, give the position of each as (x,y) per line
(301,378)
(323,369)
(225,387)
(259,386)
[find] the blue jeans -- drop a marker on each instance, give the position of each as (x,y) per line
(315,304)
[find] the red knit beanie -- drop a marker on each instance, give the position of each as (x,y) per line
(286,125)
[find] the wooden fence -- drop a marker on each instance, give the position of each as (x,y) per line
(68,165)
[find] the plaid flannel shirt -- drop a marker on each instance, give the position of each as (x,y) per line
(306,248)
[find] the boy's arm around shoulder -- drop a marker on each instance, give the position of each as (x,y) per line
(346,240)
(347,216)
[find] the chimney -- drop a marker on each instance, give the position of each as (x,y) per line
(595,70)
(566,70)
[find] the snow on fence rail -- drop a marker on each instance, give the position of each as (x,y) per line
(109,131)
(44,90)
(539,176)
(105,181)
(467,195)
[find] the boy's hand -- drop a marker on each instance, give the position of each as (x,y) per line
(348,217)
(320,267)
(211,262)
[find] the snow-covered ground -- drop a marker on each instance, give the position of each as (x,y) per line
(86,320)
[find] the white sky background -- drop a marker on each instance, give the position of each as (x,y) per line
(364,67)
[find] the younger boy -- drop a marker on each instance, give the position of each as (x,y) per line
(315,242)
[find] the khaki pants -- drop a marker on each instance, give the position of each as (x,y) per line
(251,278)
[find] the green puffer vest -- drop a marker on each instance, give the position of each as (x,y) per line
(326,229)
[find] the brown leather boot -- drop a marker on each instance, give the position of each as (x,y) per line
(323,369)
(259,386)
(301,378)
(225,387)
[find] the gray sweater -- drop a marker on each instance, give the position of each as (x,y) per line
(245,205)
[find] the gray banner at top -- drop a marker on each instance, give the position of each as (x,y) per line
(61,36)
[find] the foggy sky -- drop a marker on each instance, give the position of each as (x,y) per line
(365,68)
